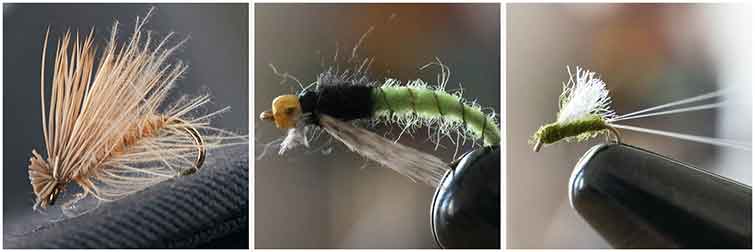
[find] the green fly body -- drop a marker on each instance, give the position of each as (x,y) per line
(584,111)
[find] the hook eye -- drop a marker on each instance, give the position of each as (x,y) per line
(53,196)
(266,116)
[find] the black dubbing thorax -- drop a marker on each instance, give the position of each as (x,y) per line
(343,102)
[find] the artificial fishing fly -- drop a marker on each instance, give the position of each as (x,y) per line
(109,130)
(338,98)
(585,112)
(584,108)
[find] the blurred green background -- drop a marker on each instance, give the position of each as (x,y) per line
(648,54)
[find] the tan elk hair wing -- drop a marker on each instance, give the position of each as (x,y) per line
(105,130)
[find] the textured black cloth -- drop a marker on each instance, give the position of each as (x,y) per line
(206,210)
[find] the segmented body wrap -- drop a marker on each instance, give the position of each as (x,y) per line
(435,104)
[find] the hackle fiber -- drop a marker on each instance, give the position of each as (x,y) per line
(109,130)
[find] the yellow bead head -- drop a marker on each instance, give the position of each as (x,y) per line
(286,112)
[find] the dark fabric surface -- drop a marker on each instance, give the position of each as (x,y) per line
(206,210)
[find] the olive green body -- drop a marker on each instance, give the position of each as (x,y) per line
(430,104)
(581,129)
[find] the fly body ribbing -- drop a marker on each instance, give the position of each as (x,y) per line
(419,103)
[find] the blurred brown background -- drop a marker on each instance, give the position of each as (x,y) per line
(648,54)
(309,199)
